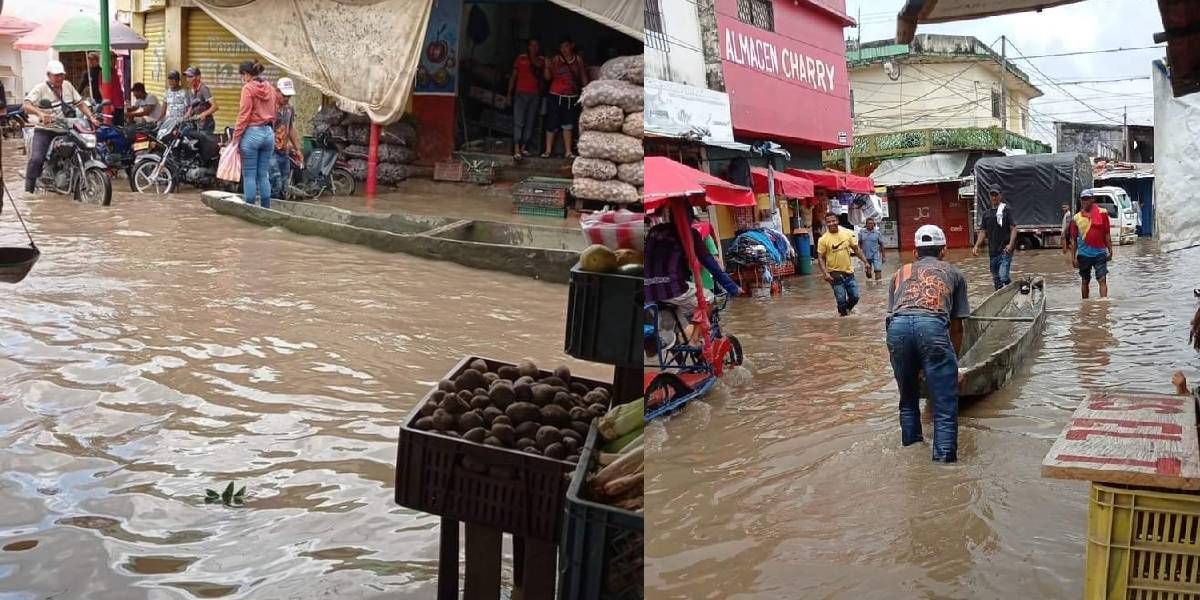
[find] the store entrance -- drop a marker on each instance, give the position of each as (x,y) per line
(495,33)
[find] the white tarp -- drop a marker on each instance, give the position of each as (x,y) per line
(626,16)
(1176,165)
(363,53)
(916,170)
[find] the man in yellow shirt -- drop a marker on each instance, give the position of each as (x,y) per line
(834,250)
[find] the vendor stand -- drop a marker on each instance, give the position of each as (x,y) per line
(1140,453)
(826,184)
(689,368)
(796,192)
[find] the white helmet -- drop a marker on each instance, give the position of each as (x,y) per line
(930,235)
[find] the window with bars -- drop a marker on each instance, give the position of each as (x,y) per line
(655,36)
(995,104)
(758,13)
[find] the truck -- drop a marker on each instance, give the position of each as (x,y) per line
(1035,187)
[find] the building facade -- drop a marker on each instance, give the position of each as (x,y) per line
(1130,143)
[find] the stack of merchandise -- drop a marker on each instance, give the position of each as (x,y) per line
(609,168)
(397,143)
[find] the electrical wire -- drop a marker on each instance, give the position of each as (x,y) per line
(1104,51)
(1064,90)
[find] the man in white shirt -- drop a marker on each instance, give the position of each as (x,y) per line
(61,95)
(146,107)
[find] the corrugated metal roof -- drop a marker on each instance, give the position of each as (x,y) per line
(876,53)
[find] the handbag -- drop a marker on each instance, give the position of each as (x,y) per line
(230,166)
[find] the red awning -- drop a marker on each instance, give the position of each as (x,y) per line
(836,181)
(12,26)
(786,185)
(666,178)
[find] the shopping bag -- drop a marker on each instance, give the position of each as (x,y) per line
(230,167)
(616,229)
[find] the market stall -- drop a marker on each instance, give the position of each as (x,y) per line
(762,250)
(834,191)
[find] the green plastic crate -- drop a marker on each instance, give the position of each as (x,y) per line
(541,211)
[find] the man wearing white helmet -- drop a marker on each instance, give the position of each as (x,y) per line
(927,303)
(287,142)
(60,95)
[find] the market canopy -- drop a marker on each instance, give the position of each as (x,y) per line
(917,170)
(14,27)
(920,12)
(362,53)
(626,16)
(836,181)
(786,185)
(666,178)
(79,33)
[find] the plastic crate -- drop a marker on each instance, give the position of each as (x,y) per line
(482,175)
(541,211)
(1142,544)
(448,171)
(521,493)
(604,318)
(541,191)
(601,556)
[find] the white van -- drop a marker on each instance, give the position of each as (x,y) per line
(1121,212)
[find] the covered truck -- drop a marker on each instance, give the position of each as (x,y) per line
(1035,187)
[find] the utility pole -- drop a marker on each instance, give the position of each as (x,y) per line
(106,88)
(1003,84)
(1125,130)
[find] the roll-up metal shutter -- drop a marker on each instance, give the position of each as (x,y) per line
(154,57)
(217,53)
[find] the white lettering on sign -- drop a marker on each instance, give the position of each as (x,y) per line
(756,54)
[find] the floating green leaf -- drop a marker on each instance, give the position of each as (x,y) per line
(227,495)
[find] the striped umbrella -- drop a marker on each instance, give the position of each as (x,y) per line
(79,33)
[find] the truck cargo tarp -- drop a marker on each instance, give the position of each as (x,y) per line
(626,16)
(916,170)
(1176,165)
(362,53)
(1035,186)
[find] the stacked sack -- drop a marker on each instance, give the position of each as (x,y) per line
(609,167)
(396,144)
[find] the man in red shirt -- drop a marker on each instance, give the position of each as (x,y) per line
(525,96)
(1088,234)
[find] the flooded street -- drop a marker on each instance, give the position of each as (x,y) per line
(792,483)
(159,349)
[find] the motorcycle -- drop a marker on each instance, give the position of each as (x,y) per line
(181,160)
(72,165)
(323,172)
(13,121)
(119,147)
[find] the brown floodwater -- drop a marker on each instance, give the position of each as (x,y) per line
(790,482)
(159,349)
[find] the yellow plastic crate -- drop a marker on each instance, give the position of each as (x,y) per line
(1142,545)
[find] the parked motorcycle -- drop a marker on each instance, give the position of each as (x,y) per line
(323,172)
(13,121)
(72,165)
(119,147)
(181,160)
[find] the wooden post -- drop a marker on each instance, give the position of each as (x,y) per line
(447,584)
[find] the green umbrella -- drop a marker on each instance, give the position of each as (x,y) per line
(79,33)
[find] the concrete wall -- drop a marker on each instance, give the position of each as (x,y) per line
(684,61)
(934,94)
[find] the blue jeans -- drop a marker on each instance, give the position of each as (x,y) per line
(845,291)
(281,175)
(919,343)
(257,148)
(1001,266)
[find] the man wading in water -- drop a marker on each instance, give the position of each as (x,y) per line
(1090,241)
(833,256)
(871,242)
(1000,231)
(927,303)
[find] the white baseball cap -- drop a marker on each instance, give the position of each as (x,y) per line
(286,86)
(55,67)
(930,235)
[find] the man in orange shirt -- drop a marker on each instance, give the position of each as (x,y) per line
(1091,243)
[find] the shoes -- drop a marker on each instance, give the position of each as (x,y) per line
(948,458)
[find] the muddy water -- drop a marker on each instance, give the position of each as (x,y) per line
(159,349)
(794,485)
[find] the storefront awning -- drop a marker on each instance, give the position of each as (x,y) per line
(786,185)
(836,181)
(666,178)
(626,16)
(916,170)
(12,26)
(920,12)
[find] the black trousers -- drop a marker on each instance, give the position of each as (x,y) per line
(37,158)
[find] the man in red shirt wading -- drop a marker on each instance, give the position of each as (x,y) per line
(1090,240)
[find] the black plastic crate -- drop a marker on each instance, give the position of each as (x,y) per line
(601,556)
(520,493)
(604,318)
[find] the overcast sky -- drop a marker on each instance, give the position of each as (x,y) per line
(1086,25)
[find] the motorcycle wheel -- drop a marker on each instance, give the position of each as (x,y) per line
(96,187)
(341,182)
(129,176)
(143,183)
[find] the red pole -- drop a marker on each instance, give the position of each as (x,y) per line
(372,160)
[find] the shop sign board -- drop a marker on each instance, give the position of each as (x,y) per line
(790,83)
(674,109)
(437,71)
(887,230)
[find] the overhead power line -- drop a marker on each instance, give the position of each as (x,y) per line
(1104,51)
(1064,90)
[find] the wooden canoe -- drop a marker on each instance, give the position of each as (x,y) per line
(1000,335)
